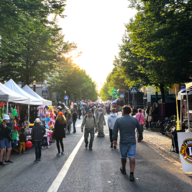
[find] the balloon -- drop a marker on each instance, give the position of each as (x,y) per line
(28,144)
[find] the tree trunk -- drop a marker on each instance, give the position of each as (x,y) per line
(162,92)
(156,97)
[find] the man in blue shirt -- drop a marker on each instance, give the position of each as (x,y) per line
(126,125)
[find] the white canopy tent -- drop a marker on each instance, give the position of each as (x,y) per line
(28,90)
(14,87)
(32,100)
(8,95)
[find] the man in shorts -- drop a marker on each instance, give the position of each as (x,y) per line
(126,125)
(5,139)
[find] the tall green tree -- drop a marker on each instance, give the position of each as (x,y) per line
(69,78)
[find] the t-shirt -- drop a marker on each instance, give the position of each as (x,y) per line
(140,118)
(126,125)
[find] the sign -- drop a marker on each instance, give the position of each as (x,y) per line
(45,93)
(122,95)
(134,90)
(185,150)
(66,97)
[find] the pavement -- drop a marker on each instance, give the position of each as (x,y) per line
(160,141)
(93,171)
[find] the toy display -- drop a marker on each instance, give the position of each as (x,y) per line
(2,110)
(46,115)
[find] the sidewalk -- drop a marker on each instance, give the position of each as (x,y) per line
(160,141)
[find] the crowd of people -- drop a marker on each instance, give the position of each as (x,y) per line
(93,122)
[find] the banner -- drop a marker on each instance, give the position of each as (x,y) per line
(185,150)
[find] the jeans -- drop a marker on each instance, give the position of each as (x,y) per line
(74,128)
(111,135)
(38,149)
(61,143)
(86,136)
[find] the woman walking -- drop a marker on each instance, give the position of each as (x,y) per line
(69,121)
(59,133)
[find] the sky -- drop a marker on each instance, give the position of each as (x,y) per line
(97,27)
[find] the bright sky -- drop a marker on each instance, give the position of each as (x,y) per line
(97,27)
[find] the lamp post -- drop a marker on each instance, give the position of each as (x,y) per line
(34,86)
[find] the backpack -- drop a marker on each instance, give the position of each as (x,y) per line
(93,118)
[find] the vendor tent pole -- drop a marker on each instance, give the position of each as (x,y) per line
(28,114)
(188,111)
(7,108)
(181,120)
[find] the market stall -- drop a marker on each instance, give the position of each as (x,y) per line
(28,90)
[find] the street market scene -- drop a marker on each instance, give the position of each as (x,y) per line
(95,96)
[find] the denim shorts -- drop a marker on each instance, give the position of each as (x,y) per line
(127,150)
(5,142)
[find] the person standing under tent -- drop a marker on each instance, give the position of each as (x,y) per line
(5,139)
(59,132)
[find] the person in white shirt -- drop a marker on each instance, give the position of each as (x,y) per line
(111,121)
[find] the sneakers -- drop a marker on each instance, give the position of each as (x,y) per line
(63,153)
(123,171)
(2,163)
(20,153)
(36,161)
(132,177)
(8,161)
(58,154)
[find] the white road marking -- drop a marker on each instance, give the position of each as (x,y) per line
(63,172)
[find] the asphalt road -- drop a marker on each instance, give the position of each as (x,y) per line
(93,171)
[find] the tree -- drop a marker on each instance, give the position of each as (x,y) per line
(38,56)
(16,15)
(70,78)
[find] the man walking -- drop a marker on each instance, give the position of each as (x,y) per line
(37,135)
(5,139)
(126,125)
(89,123)
(111,121)
(141,118)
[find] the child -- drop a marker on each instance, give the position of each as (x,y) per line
(22,138)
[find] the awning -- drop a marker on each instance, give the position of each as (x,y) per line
(31,100)
(182,92)
(27,89)
(8,95)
